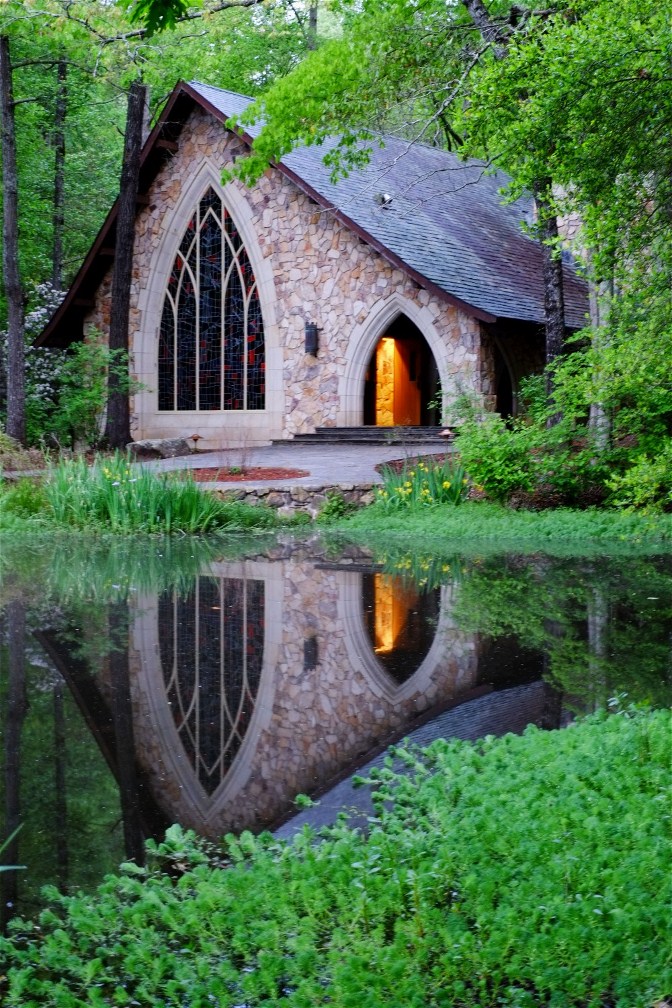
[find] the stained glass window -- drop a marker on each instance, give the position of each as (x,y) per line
(212,651)
(211,341)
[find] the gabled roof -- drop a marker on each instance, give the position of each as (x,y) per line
(439,219)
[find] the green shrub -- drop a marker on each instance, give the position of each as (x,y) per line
(518,872)
(498,458)
(646,484)
(82,392)
(113,495)
(25,498)
(421,484)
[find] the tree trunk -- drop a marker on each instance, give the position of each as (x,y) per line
(492,33)
(551,261)
(311,35)
(598,420)
(60,792)
(16,708)
(122,717)
(59,175)
(16,348)
(117,427)
(497,35)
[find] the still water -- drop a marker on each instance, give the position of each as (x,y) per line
(187,682)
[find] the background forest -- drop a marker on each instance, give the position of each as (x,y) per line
(572,100)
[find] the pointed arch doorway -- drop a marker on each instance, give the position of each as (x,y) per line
(402,379)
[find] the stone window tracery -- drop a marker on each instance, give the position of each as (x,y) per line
(211,341)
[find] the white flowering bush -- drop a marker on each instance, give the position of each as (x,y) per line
(66,390)
(44,366)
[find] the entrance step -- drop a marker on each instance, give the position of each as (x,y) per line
(375,436)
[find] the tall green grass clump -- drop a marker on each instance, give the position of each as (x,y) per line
(514,872)
(421,484)
(114,495)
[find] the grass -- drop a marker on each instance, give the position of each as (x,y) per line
(111,495)
(484,524)
(514,872)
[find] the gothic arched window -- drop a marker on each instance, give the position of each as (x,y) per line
(211,643)
(211,343)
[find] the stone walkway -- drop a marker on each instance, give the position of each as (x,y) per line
(341,466)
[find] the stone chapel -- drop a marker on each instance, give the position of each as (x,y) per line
(303,303)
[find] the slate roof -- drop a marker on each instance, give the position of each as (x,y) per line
(446,220)
(445,224)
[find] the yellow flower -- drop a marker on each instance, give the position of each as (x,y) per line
(446,485)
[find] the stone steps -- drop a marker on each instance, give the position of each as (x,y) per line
(374,436)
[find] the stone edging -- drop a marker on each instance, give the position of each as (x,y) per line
(292,499)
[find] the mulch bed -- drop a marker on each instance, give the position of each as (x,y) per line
(220,475)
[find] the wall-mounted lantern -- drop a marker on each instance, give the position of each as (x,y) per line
(311,653)
(312,340)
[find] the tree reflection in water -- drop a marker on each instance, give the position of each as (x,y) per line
(274,681)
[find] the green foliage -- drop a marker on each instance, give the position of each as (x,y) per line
(155,15)
(421,484)
(646,484)
(335,507)
(25,498)
(517,871)
(112,495)
(83,391)
(551,456)
(497,457)
(586,100)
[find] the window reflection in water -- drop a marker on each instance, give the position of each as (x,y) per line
(212,648)
(401,620)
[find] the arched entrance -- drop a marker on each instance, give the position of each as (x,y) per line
(402,380)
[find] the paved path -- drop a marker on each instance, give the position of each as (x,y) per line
(327,465)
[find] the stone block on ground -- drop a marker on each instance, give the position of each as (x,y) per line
(154,448)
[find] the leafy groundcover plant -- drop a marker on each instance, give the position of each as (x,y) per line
(519,872)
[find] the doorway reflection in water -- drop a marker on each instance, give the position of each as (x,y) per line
(401,621)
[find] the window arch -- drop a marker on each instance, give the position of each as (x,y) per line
(211,342)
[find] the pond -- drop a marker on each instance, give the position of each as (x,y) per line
(191,682)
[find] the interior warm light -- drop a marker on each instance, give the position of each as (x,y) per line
(392,602)
(385,382)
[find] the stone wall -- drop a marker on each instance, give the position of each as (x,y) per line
(309,267)
(310,500)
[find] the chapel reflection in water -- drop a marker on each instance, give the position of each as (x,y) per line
(233,719)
